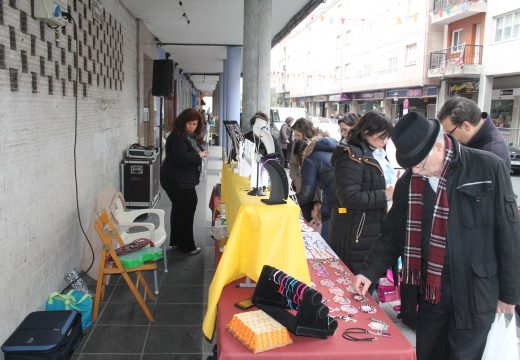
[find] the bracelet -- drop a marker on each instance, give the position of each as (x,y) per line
(347,334)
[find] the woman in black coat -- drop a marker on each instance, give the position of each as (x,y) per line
(180,174)
(361,193)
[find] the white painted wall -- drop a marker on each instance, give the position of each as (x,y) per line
(501,58)
(40,237)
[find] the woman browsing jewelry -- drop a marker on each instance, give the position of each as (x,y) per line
(180,174)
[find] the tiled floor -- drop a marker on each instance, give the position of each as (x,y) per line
(123,331)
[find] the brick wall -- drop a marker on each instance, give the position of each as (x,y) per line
(40,236)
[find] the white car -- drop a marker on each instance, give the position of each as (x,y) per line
(327,125)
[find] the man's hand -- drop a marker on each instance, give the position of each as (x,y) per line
(361,284)
(503,308)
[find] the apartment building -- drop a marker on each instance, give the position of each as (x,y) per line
(480,58)
(345,57)
(398,56)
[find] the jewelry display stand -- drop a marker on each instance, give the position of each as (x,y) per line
(276,292)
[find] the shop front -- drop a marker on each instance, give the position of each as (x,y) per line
(421,99)
(339,104)
(369,101)
(319,105)
(467,88)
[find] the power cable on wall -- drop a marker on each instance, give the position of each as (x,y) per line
(69,17)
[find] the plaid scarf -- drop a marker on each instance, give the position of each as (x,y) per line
(413,248)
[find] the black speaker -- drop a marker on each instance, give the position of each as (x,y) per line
(162,77)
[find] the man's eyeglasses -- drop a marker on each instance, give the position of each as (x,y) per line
(452,130)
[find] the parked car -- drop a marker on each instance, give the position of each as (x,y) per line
(328,125)
(514,153)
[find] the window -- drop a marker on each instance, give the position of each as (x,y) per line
(507,27)
(336,73)
(411,57)
(346,70)
(338,42)
(456,40)
(348,39)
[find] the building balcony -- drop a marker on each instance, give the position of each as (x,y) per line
(448,11)
(458,61)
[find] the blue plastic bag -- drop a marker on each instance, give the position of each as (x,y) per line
(73,300)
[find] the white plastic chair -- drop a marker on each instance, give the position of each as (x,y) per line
(126,220)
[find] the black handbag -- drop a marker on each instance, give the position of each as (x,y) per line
(45,335)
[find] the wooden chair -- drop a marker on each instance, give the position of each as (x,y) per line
(111,239)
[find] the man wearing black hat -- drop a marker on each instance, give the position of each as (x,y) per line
(455,224)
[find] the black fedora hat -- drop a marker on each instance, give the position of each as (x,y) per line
(414,137)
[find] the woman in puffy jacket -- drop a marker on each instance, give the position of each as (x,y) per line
(317,174)
(361,192)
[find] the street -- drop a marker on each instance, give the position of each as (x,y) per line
(515,179)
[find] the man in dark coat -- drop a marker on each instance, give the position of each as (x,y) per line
(458,230)
(461,118)
(250,135)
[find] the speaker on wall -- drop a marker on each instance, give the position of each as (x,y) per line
(162,77)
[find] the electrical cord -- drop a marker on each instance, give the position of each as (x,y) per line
(68,16)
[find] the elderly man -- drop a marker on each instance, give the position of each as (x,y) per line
(454,222)
(461,118)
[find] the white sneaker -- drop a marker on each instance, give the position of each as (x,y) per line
(195,252)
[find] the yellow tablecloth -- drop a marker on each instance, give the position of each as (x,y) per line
(259,234)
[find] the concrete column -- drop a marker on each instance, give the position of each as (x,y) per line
(388,109)
(216,110)
(224,92)
(354,107)
(257,59)
(485,92)
(441,96)
(232,76)
(222,131)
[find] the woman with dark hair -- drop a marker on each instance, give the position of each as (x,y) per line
(346,123)
(317,176)
(361,191)
(180,174)
(302,130)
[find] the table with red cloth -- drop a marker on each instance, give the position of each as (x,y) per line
(395,347)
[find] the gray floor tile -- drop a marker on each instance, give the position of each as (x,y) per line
(172,357)
(178,314)
(181,294)
(125,314)
(111,356)
(122,294)
(174,339)
(184,276)
(116,339)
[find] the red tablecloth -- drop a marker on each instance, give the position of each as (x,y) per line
(395,347)
(214,204)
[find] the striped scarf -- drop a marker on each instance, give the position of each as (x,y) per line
(413,248)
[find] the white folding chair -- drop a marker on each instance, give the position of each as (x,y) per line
(126,219)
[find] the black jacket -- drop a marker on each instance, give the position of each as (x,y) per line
(483,236)
(182,164)
(361,203)
(316,172)
(490,139)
